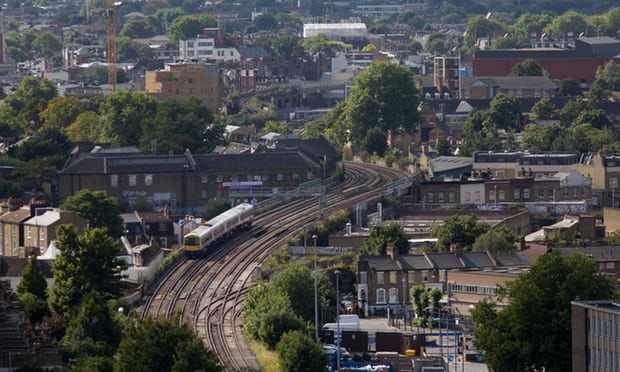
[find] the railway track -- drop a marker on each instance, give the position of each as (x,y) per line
(208,293)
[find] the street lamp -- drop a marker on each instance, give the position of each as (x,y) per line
(337,272)
(316,296)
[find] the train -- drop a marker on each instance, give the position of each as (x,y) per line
(198,241)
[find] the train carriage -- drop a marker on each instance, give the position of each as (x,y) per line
(199,240)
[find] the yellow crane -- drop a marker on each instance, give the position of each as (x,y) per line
(111,42)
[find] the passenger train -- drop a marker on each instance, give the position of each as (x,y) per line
(199,240)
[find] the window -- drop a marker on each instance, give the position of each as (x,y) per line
(516,195)
(502,195)
(575,192)
(380,277)
(204,179)
(551,193)
(295,176)
(476,196)
(467,196)
(42,234)
(392,277)
(430,197)
(190,80)
(613,182)
(492,195)
(363,277)
(411,276)
(565,192)
(132,180)
(203,195)
(380,296)
(425,275)
(190,44)
(526,194)
(499,174)
(28,232)
(393,295)
(148,180)
(440,197)
(265,177)
(541,193)
(234,178)
(114,180)
(219,178)
(451,197)
(280,177)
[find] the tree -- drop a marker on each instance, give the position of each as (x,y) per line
(608,77)
(437,43)
(443,147)
(380,235)
(268,314)
(186,27)
(505,112)
(86,127)
(163,345)
(462,230)
(477,27)
(527,67)
(28,101)
(545,110)
(570,21)
(595,117)
(534,330)
(500,239)
(299,352)
(375,141)
(33,281)
(275,127)
(98,209)
(47,45)
(126,114)
(180,125)
(87,263)
(569,88)
(60,112)
(383,96)
(297,282)
(265,22)
(141,28)
(93,332)
(285,45)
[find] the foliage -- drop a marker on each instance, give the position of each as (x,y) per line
(321,44)
(268,314)
(384,96)
(527,67)
(297,283)
(569,88)
(334,222)
(544,110)
(375,141)
(141,28)
(53,327)
(180,125)
(35,308)
(85,127)
(380,235)
(437,43)
(285,45)
(461,229)
(479,26)
(98,74)
(96,207)
(87,263)
(608,77)
(614,238)
(93,332)
(61,112)
(299,352)
(504,111)
(443,147)
(126,114)
(33,280)
(273,126)
(163,345)
(27,102)
(534,330)
(186,27)
(570,21)
(500,239)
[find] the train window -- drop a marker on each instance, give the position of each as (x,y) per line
(219,178)
(234,178)
(265,177)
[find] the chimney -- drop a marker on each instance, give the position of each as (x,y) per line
(391,250)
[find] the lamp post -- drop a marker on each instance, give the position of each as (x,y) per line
(316,296)
(337,272)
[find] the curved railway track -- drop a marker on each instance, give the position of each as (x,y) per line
(208,293)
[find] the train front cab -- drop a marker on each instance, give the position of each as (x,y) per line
(192,247)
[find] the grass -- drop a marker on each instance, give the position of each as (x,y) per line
(267,358)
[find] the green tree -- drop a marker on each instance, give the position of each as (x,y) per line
(299,352)
(163,345)
(87,263)
(33,281)
(608,77)
(60,112)
(443,147)
(569,88)
(285,45)
(180,125)
(380,235)
(86,127)
(274,126)
(437,43)
(545,110)
(186,27)
(99,209)
(500,239)
(375,141)
(125,115)
(93,332)
(28,101)
(504,112)
(527,67)
(477,27)
(570,21)
(47,45)
(296,282)
(420,299)
(462,230)
(383,96)
(572,109)
(595,117)
(534,330)
(141,28)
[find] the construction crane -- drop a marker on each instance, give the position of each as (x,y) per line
(111,42)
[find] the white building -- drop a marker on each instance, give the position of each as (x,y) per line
(336,31)
(203,49)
